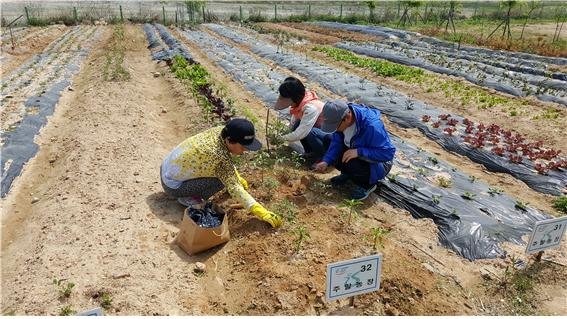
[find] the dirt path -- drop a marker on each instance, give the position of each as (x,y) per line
(100,220)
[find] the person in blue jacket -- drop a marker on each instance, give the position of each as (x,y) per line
(360,147)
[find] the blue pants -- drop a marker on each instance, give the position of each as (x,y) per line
(316,142)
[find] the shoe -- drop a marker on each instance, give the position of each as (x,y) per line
(339,180)
(361,193)
(190,201)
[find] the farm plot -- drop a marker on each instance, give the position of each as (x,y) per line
(418,178)
(504,56)
(497,149)
(503,79)
(26,44)
(536,120)
(31,92)
(518,76)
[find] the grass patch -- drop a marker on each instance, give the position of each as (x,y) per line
(114,67)
(560,204)
(379,67)
(548,114)
(517,286)
(66,311)
(468,94)
(247,112)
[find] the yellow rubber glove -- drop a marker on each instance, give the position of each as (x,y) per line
(274,219)
(242,181)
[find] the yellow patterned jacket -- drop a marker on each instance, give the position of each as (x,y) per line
(204,155)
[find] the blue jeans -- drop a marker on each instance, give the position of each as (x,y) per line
(316,142)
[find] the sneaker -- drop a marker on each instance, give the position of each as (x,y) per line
(340,179)
(190,201)
(361,193)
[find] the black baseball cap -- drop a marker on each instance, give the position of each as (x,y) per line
(242,131)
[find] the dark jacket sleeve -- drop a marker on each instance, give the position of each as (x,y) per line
(335,149)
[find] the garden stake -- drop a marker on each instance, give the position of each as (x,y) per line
(267,121)
(351,301)
(10,28)
(538,256)
(27,15)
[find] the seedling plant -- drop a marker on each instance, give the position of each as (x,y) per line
(378,234)
(105,300)
(286,209)
(444,182)
(302,235)
(63,288)
(468,195)
(66,311)
(521,205)
(351,206)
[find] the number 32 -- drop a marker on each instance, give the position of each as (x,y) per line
(364,268)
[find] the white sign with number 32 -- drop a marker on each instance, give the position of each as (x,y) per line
(353,277)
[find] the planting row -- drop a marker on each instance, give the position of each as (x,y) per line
(479,73)
(479,54)
(36,105)
(166,46)
(16,33)
(409,113)
(38,73)
(472,217)
(184,67)
(52,58)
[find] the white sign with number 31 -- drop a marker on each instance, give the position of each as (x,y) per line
(547,234)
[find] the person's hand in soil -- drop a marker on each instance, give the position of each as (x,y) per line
(272,218)
(320,167)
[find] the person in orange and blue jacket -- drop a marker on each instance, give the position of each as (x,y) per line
(360,147)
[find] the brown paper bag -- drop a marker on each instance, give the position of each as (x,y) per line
(194,239)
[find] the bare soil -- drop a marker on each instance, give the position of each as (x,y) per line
(99,219)
(313,31)
(27,44)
